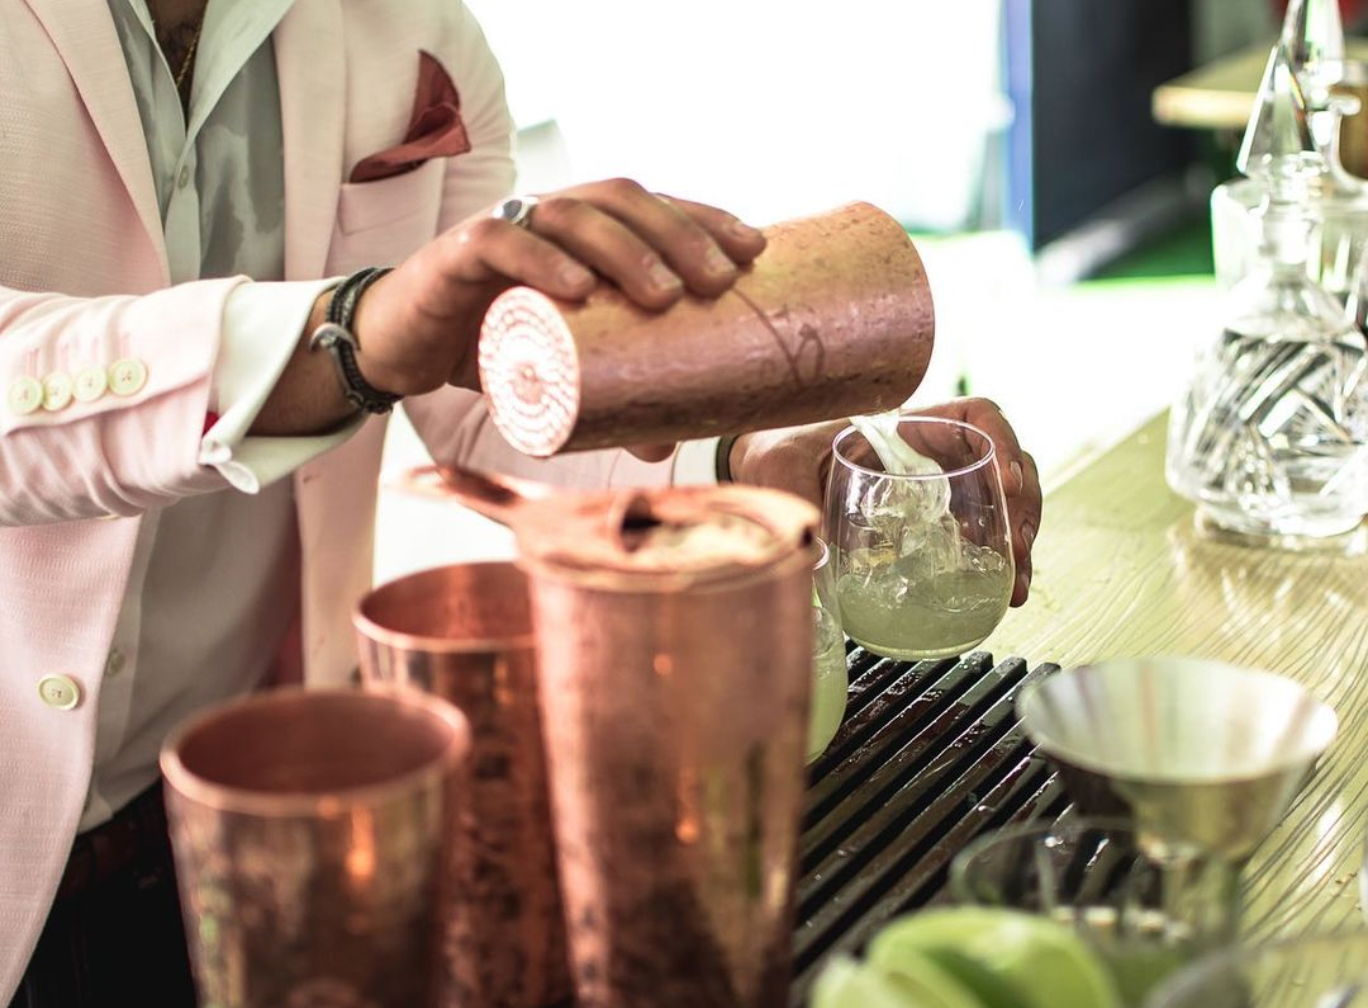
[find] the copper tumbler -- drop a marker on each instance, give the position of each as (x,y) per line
(311,835)
(465,633)
(833,319)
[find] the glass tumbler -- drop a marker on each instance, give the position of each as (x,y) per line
(1146,919)
(830,674)
(923,558)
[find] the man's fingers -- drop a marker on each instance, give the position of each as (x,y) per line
(680,233)
(652,452)
(1025,508)
(737,238)
(1019,474)
(1028,501)
(490,249)
(610,246)
(653,247)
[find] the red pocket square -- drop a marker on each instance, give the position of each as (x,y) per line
(435,129)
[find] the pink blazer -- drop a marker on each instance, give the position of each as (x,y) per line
(83,278)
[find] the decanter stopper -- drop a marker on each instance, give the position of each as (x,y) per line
(1279,148)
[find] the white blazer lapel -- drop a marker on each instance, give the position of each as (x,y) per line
(84,36)
(310,64)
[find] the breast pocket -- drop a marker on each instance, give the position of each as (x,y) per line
(382,222)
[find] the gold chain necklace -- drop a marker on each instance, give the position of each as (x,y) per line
(190,53)
(188,60)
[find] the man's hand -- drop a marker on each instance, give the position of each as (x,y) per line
(418,326)
(798,459)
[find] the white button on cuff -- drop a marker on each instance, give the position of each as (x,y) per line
(24,396)
(59,692)
(90,384)
(127,376)
(184,179)
(57,391)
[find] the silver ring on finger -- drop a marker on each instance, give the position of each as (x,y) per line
(517,210)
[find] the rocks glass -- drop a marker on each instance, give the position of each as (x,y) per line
(1145,918)
(923,558)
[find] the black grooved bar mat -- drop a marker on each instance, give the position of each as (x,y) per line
(929,757)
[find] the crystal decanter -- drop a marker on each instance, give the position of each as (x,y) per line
(1270,438)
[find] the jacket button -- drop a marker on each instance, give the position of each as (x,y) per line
(24,396)
(57,390)
(90,384)
(59,692)
(127,376)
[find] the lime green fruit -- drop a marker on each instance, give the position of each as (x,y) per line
(844,983)
(991,990)
(1009,959)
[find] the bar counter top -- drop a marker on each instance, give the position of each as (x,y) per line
(1123,570)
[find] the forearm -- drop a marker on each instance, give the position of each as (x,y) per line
(307,398)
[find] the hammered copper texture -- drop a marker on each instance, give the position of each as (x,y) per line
(464,633)
(311,841)
(675,716)
(834,319)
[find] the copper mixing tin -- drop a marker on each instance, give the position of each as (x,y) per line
(674,632)
(833,319)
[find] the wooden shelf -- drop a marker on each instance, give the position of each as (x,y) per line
(1221,94)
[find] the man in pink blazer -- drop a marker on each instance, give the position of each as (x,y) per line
(187,479)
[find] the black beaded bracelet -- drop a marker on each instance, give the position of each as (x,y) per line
(336,335)
(722,458)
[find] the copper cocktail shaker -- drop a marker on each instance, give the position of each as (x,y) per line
(674,631)
(834,319)
(465,633)
(311,834)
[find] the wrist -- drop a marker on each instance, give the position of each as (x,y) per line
(337,335)
(726,447)
(369,327)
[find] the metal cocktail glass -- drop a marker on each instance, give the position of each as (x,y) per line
(1207,757)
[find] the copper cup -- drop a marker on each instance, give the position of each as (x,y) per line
(311,836)
(465,633)
(676,723)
